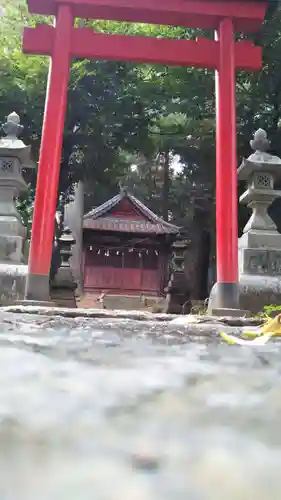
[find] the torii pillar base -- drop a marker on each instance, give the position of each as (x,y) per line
(224,301)
(37,288)
(34,303)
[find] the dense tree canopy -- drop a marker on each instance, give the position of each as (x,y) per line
(154,117)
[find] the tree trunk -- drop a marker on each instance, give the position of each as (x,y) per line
(166,186)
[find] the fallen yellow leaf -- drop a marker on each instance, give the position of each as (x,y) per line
(231,339)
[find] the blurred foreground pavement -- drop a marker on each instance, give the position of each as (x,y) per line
(125,410)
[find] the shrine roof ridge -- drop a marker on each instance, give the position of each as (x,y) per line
(247,15)
(103,209)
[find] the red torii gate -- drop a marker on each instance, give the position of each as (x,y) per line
(63,42)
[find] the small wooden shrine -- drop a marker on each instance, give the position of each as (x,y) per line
(126,248)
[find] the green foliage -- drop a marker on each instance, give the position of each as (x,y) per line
(121,114)
(24,205)
(272,310)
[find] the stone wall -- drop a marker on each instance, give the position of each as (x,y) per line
(12,283)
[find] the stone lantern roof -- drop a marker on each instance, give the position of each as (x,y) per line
(13,147)
(260,160)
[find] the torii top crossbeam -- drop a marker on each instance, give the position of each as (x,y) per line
(246,14)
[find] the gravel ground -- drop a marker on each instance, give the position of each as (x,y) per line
(125,410)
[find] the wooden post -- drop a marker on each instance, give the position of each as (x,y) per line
(226,174)
(37,286)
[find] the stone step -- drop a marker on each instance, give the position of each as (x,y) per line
(89,301)
(124,302)
(120,302)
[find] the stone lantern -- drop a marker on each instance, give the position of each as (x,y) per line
(63,286)
(260,244)
(178,290)
(179,248)
(14,156)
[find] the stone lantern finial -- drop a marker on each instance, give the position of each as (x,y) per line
(123,189)
(11,145)
(12,128)
(260,141)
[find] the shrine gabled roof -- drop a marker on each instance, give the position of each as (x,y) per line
(145,222)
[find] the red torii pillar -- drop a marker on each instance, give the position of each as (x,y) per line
(227,291)
(41,244)
(62,42)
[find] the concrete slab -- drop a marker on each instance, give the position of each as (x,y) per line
(190,320)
